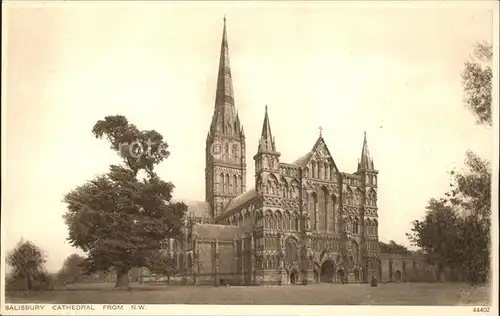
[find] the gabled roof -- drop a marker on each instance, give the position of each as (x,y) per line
(304,160)
(224,232)
(241,199)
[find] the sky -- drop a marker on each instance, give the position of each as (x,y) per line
(390,70)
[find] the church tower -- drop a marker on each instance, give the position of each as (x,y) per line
(225,166)
(266,160)
(369,212)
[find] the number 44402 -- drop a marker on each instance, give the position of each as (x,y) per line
(481,309)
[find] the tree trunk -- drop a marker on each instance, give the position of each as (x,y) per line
(440,276)
(28,281)
(122,281)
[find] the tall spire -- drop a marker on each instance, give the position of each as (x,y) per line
(366,162)
(224,82)
(266,138)
(224,111)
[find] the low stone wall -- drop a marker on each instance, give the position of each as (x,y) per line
(405,268)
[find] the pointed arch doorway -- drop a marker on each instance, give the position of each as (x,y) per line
(294,277)
(327,273)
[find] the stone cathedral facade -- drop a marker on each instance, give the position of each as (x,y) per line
(302,222)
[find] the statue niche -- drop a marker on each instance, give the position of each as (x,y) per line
(291,251)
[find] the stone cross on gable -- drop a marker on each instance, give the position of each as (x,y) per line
(320,130)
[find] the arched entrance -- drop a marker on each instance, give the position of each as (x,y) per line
(340,276)
(397,276)
(356,275)
(294,277)
(327,271)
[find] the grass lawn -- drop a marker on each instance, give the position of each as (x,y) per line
(318,294)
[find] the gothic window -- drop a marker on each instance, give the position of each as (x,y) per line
(286,221)
(373,198)
(327,172)
(181,262)
(279,220)
(235,183)
(306,172)
(355,227)
(225,155)
(320,170)
(323,205)
(355,251)
(357,197)
(217,183)
(296,190)
(190,262)
(291,251)
(230,189)
(313,209)
(223,183)
(226,188)
(274,187)
(334,213)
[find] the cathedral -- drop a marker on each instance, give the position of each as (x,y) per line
(302,222)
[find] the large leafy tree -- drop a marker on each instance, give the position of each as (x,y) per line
(120,219)
(393,247)
(72,270)
(456,229)
(162,264)
(476,77)
(437,235)
(470,196)
(27,261)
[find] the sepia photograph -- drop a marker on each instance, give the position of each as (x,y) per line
(163,156)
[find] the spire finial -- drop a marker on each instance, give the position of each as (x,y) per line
(320,131)
(266,107)
(224,19)
(365,133)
